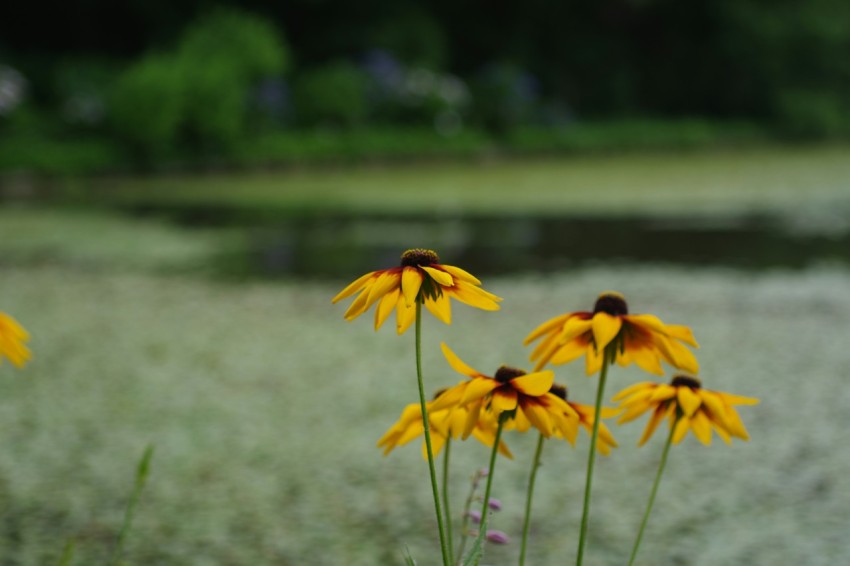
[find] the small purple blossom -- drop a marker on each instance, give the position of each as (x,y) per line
(495,504)
(475,516)
(497,537)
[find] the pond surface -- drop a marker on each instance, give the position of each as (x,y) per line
(338,244)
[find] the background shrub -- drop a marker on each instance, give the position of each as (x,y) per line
(333,95)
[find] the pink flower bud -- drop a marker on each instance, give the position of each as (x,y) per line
(495,504)
(497,537)
(475,516)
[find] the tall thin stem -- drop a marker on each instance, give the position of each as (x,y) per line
(652,493)
(446,507)
(534,465)
(142,471)
(600,391)
(485,509)
(427,426)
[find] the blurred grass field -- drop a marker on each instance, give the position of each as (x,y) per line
(264,405)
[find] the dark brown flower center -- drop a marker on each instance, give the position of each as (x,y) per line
(559,391)
(506,373)
(612,303)
(686,381)
(419,256)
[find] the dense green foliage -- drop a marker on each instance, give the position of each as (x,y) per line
(183,83)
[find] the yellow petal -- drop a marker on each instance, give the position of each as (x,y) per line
(646,359)
(472,296)
(682,426)
(533,384)
(688,400)
(573,328)
(568,352)
(456,362)
(592,360)
(383,285)
(439,276)
(504,399)
(663,392)
(354,287)
(701,427)
(385,307)
(440,307)
(357,306)
(405,316)
(737,399)
(682,333)
(437,443)
(538,417)
(478,388)
(648,321)
(460,274)
(411,281)
(654,420)
(548,326)
(632,389)
(605,329)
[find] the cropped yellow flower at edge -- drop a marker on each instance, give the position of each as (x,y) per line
(642,339)
(511,390)
(445,423)
(422,277)
(687,406)
(12,338)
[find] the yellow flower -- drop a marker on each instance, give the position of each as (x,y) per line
(12,338)
(444,423)
(687,406)
(420,277)
(639,338)
(525,396)
(585,417)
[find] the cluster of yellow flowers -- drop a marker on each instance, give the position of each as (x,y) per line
(484,405)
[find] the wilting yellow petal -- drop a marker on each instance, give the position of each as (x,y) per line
(546,327)
(478,388)
(404,315)
(682,426)
(701,427)
(439,276)
(503,399)
(460,274)
(440,307)
(411,281)
(472,296)
(682,333)
(688,400)
(573,328)
(632,389)
(654,420)
(533,384)
(538,417)
(355,286)
(456,362)
(605,328)
(385,307)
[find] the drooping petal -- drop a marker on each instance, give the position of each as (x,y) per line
(546,327)
(646,359)
(663,392)
(503,399)
(478,388)
(438,275)
(534,384)
(538,417)
(385,307)
(681,429)
(688,400)
(411,281)
(701,427)
(682,333)
(440,307)
(654,420)
(568,352)
(593,360)
(605,328)
(387,281)
(456,363)
(648,321)
(354,286)
(632,389)
(472,296)
(575,327)
(460,274)
(358,306)
(405,316)
(731,399)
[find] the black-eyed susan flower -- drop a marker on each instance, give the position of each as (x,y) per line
(420,277)
(509,390)
(585,416)
(12,341)
(445,423)
(641,339)
(688,407)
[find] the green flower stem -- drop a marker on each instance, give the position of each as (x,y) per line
(482,530)
(446,507)
(427,426)
(607,356)
(652,493)
(534,465)
(142,471)
(465,521)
